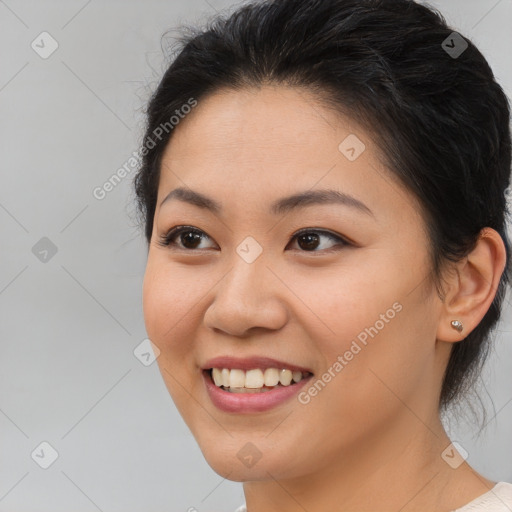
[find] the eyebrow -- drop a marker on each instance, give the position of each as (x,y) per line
(279,207)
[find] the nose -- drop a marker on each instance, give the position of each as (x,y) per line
(248,298)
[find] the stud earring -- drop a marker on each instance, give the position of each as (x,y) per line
(457,325)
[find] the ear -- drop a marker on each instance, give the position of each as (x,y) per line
(470,290)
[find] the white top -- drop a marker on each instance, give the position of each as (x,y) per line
(498,499)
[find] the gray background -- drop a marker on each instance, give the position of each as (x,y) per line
(70,323)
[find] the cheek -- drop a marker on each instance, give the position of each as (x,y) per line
(346,301)
(384,365)
(168,304)
(171,298)
(154,300)
(378,346)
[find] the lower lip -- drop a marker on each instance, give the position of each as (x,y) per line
(250,402)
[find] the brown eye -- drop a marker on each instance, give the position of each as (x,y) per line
(183,237)
(190,239)
(310,240)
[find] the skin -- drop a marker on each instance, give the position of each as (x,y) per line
(372,438)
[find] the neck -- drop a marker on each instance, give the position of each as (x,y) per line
(397,468)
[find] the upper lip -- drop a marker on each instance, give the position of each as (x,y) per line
(249,363)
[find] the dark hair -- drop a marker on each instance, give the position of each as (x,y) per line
(440,120)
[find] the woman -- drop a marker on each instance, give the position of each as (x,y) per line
(323,191)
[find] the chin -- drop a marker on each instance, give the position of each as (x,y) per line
(225,466)
(243,460)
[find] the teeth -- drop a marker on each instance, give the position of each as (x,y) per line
(217,376)
(271,377)
(255,380)
(225,377)
(285,377)
(236,379)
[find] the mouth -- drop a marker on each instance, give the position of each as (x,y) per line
(255,380)
(252,385)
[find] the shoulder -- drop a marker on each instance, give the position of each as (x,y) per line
(241,509)
(498,499)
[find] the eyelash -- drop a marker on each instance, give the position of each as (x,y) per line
(168,239)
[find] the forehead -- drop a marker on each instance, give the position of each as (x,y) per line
(271,141)
(268,117)
(265,128)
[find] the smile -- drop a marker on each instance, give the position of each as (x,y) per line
(245,400)
(255,380)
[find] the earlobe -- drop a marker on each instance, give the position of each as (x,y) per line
(472,287)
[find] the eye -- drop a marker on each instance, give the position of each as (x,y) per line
(189,237)
(308,239)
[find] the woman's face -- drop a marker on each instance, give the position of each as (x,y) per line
(349,301)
